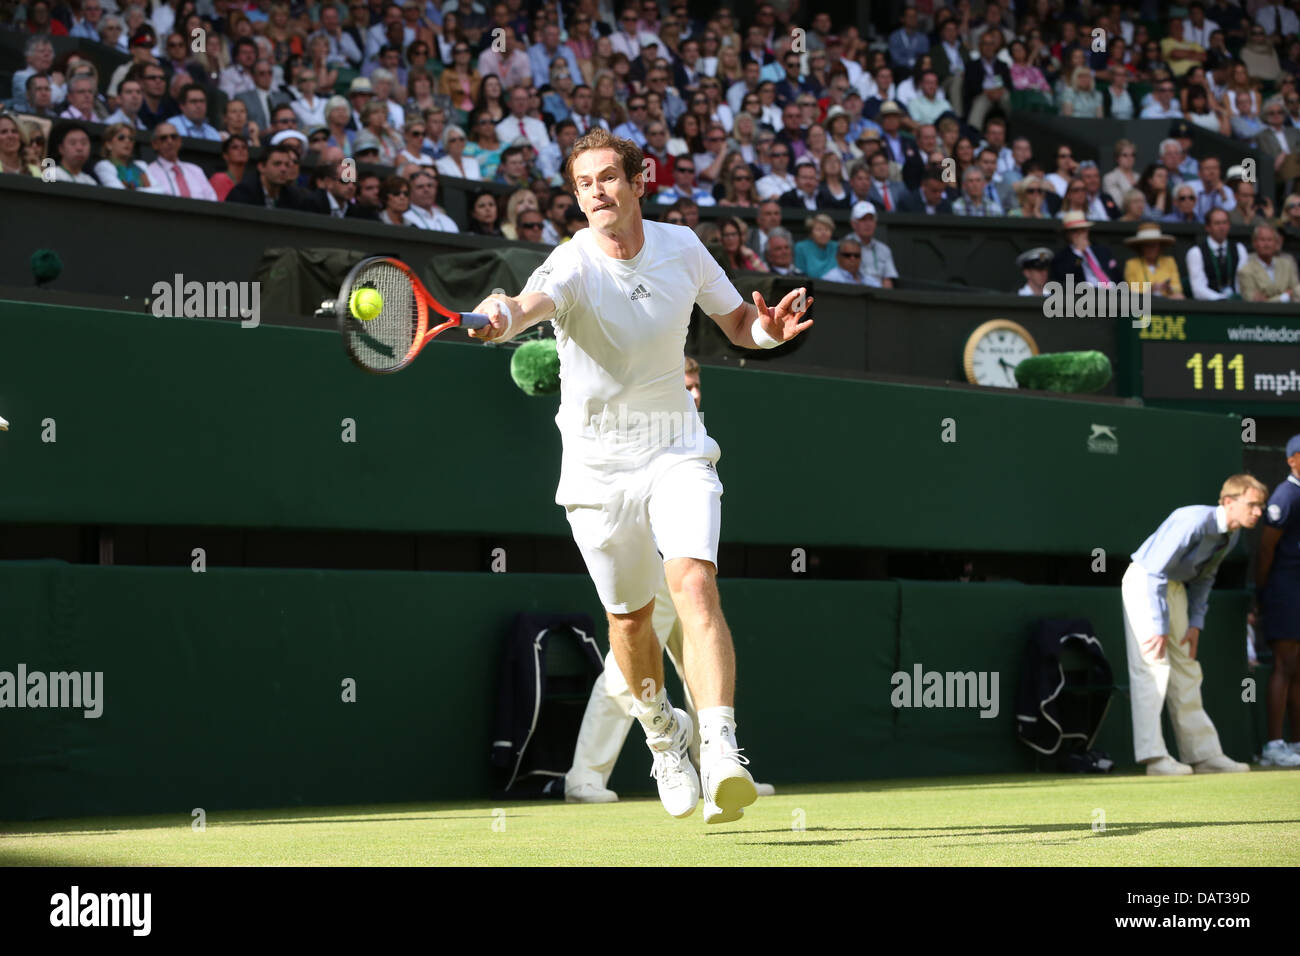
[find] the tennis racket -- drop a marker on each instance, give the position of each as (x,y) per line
(392,339)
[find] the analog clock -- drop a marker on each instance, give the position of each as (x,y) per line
(994,350)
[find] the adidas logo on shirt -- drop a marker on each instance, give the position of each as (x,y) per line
(640,292)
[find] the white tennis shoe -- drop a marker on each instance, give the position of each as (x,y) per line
(1278,754)
(679,784)
(590,793)
(728,787)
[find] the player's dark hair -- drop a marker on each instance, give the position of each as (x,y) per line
(600,138)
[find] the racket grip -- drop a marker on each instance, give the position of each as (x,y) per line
(474,320)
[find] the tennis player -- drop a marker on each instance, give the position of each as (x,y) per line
(638,476)
(611,709)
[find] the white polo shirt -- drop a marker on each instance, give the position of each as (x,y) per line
(620,328)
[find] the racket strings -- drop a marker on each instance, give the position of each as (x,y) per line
(385,341)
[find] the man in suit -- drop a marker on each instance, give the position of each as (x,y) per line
(779,252)
(273,185)
(261,100)
(900,148)
(1277,141)
(929,199)
(1100,206)
(885,194)
(986,68)
(337,196)
(950,58)
(1268,275)
(804,194)
(1080,258)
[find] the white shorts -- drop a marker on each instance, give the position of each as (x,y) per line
(630,522)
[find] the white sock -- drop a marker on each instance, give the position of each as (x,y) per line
(656,715)
(717,730)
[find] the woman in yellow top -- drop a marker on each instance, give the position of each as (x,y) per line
(1150,266)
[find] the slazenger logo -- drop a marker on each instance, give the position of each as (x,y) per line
(1275,512)
(1103,440)
(640,292)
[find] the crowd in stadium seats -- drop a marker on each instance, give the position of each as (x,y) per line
(760,111)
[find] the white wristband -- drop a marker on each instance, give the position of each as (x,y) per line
(505,311)
(760,337)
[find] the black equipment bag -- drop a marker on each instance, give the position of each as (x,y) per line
(549,664)
(1064,695)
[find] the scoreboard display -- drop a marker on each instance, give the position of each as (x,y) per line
(1208,371)
(1225,361)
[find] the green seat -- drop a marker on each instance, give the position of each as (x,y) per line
(1136,92)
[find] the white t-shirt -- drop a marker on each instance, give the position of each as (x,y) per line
(620,329)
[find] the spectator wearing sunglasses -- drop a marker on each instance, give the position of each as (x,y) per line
(158,105)
(684,186)
(528,227)
(412,151)
(169,174)
(1030,195)
(394,201)
(1162,105)
(119,169)
(634,128)
(456,163)
(848,263)
(1184,210)
(779,180)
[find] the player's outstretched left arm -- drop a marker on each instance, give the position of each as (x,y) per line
(780,323)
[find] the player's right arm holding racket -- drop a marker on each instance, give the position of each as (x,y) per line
(511,315)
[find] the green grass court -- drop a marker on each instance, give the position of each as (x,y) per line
(1224,819)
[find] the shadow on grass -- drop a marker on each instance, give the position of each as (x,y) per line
(237,818)
(1082,831)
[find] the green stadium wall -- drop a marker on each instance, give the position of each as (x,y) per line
(223,689)
(187,422)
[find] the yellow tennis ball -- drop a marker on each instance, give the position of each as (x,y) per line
(365,304)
